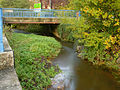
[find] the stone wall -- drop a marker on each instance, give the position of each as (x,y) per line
(8,76)
(6,58)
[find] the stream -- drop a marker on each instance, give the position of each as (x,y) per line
(78,74)
(81,75)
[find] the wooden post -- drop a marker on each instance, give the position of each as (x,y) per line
(1,31)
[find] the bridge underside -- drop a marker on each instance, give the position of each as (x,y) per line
(22,20)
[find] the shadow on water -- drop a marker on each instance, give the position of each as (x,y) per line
(21,31)
(82,75)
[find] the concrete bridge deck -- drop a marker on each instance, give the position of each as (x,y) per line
(29,20)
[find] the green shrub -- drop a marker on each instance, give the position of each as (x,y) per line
(32,59)
(36,28)
(65,32)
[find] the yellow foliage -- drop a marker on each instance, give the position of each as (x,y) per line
(111,38)
(106,42)
(86,34)
(117,20)
(106,23)
(116,24)
(99,9)
(118,29)
(118,43)
(100,1)
(105,15)
(110,41)
(111,17)
(107,47)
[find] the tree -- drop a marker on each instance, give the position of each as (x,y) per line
(59,3)
(98,29)
(15,4)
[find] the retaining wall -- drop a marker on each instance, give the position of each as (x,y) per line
(6,57)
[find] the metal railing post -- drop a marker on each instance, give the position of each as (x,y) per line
(79,14)
(1,31)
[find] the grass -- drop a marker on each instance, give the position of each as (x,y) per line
(32,59)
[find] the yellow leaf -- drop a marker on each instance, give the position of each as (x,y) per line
(111,17)
(106,42)
(105,15)
(118,29)
(119,43)
(111,37)
(100,1)
(116,24)
(117,20)
(106,23)
(86,34)
(106,47)
(99,9)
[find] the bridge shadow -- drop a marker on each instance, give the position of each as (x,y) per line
(38,29)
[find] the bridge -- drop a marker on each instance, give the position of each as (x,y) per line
(42,16)
(29,16)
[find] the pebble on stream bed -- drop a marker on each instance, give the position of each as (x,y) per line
(60,81)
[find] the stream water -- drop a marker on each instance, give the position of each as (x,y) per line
(81,75)
(78,74)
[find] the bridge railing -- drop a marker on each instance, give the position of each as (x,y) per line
(38,13)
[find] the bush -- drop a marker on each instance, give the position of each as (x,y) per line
(98,29)
(15,4)
(65,32)
(32,59)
